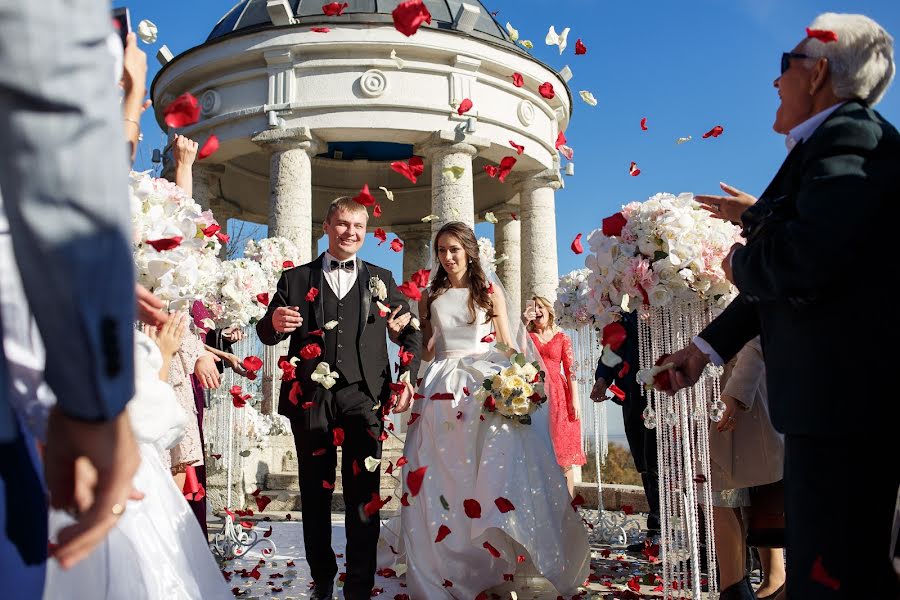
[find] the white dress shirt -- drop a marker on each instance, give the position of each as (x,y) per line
(797,134)
(339,280)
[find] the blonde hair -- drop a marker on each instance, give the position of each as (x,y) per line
(345,203)
(548,308)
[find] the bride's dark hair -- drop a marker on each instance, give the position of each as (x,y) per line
(478,283)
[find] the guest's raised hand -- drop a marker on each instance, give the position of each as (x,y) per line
(236,365)
(688,366)
(729,417)
(286,319)
(529,314)
(184,151)
(169,336)
(206,372)
(149,307)
(598,392)
(730,207)
(233,334)
(134,77)
(396,324)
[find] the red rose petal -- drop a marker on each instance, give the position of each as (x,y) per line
(644,124)
(288,264)
(714,132)
(517,79)
(372,507)
(320,29)
(420,277)
(263,298)
(520,558)
(262,502)
(546,90)
(163,244)
(405,356)
(311,294)
(182,111)
(494,552)
(396,245)
(577,501)
(504,505)
(616,391)
(489,338)
(209,147)
(402,460)
(310,351)
(464,106)
(633,170)
(577,248)
(506,165)
(409,16)
(627,509)
(414,480)
(472,508)
(580,48)
(612,226)
(327,484)
(613,335)
(519,148)
(334,9)
(364,197)
(560,139)
(295,393)
(211,230)
(356,469)
(491,170)
(442,396)
(624,370)
(252,363)
(448,583)
(404,499)
(416,165)
(823,35)
(319,452)
(337,436)
(380,235)
(443,531)
(376,210)
(634,584)
(820,575)
(268,533)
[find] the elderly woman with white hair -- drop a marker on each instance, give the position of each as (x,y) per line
(816,242)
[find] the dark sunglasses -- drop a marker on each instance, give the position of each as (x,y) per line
(786,59)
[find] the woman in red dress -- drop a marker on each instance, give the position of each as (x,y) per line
(565,413)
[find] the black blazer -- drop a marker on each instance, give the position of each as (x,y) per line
(372,342)
(629,353)
(812,276)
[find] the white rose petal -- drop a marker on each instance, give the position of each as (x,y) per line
(387,192)
(490,218)
(330,325)
(147,31)
(371,463)
(400,62)
(513,32)
(588,98)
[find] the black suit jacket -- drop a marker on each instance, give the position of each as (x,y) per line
(372,343)
(818,256)
(630,353)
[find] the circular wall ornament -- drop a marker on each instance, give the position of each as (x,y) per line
(210,102)
(526,112)
(373,83)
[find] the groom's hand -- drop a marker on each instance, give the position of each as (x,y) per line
(286,319)
(396,324)
(405,400)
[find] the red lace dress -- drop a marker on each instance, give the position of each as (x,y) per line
(565,429)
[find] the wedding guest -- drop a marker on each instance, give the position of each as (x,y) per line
(71,232)
(817,234)
(744,451)
(555,349)
(641,441)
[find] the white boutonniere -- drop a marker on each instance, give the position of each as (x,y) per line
(377,287)
(324,375)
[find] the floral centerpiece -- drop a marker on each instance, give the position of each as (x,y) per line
(573,301)
(176,243)
(662,252)
(515,391)
(243,294)
(274,255)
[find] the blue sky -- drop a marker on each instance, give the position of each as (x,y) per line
(685,66)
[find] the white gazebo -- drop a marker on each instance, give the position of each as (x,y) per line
(305,116)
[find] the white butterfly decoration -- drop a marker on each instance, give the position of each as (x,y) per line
(554,39)
(324,375)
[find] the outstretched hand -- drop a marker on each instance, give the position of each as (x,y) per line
(688,366)
(396,324)
(730,207)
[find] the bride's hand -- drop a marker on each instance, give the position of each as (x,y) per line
(405,400)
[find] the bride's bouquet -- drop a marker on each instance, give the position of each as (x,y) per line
(572,305)
(665,251)
(516,391)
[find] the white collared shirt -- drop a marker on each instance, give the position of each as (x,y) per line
(805,129)
(339,280)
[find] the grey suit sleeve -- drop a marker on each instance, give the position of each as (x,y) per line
(64,173)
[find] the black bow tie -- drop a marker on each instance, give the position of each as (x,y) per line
(347,265)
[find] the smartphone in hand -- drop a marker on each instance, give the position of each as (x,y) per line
(121,23)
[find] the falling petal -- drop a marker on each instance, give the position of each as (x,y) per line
(513,32)
(823,35)
(371,463)
(518,81)
(580,48)
(554,39)
(714,132)
(633,170)
(577,248)
(147,31)
(464,106)
(526,44)
(682,140)
(429,218)
(490,218)
(588,97)
(443,531)
(546,90)
(330,325)
(182,111)
(409,16)
(644,124)
(519,148)
(399,61)
(455,172)
(387,192)
(414,480)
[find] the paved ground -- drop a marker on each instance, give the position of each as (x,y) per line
(615,574)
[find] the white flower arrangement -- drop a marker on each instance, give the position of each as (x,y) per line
(236,303)
(515,391)
(664,251)
(487,255)
(572,305)
(377,287)
(273,254)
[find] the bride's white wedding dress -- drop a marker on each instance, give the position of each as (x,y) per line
(157,550)
(468,458)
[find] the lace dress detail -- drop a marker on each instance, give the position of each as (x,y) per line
(565,429)
(189,450)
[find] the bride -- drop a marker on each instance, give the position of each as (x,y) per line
(493,500)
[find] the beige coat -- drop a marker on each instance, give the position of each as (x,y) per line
(753,453)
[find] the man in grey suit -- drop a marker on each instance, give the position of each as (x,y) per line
(63,176)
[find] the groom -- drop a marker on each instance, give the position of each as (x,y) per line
(329,309)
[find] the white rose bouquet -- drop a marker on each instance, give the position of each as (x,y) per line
(274,255)
(573,301)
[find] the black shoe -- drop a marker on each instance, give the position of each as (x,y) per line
(742,590)
(323,592)
(773,595)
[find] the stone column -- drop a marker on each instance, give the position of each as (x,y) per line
(290,185)
(537,211)
(314,242)
(416,247)
(452,196)
(507,240)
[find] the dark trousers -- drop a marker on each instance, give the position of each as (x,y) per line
(838,528)
(198,507)
(348,408)
(642,444)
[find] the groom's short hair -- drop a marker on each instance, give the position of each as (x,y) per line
(345,203)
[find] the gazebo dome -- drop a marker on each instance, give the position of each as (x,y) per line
(251,15)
